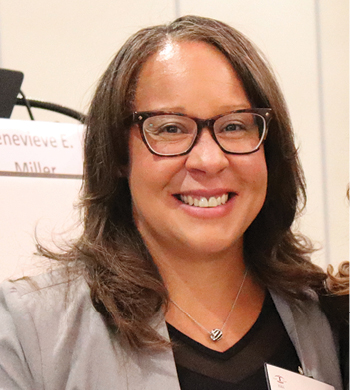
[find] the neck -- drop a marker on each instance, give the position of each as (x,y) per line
(205,285)
(205,276)
(202,284)
(209,281)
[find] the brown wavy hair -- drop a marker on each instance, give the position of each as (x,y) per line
(125,284)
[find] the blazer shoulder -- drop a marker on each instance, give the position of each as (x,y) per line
(48,288)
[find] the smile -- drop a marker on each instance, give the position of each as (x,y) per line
(202,201)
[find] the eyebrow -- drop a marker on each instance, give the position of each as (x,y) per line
(182,109)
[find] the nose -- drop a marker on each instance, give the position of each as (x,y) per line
(206,155)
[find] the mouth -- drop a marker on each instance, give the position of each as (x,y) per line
(202,201)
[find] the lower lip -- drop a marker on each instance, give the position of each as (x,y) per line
(208,212)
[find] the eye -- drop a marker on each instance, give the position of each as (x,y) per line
(230,128)
(235,124)
(167,126)
(233,127)
(172,129)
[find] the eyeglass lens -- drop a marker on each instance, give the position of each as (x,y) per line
(175,134)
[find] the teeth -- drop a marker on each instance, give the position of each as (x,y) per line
(224,198)
(204,202)
(213,202)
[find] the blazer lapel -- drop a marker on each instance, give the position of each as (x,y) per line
(313,339)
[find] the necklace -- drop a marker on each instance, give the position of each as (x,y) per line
(215,334)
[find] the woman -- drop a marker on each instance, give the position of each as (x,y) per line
(187,233)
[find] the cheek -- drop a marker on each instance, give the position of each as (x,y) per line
(262,167)
(261,180)
(147,172)
(138,165)
(253,170)
(259,173)
(141,161)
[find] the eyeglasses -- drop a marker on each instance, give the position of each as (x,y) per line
(174,134)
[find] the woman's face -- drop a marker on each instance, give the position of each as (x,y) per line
(196,79)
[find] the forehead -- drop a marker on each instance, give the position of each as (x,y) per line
(184,73)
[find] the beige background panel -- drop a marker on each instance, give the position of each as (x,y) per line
(63,46)
(334,26)
(34,204)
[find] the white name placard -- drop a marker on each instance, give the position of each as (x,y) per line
(281,379)
(40,149)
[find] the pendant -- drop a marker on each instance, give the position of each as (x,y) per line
(216,334)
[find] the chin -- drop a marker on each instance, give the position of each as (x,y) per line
(213,246)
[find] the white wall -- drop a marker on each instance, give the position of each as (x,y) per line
(63,46)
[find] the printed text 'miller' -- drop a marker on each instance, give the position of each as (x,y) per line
(35,141)
(34,167)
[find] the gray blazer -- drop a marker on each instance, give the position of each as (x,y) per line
(52,338)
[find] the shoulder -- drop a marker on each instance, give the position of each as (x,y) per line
(47,304)
(43,301)
(309,307)
(45,322)
(303,318)
(306,313)
(53,291)
(51,337)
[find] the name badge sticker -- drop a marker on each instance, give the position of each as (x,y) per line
(279,378)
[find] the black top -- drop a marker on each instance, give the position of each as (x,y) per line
(241,367)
